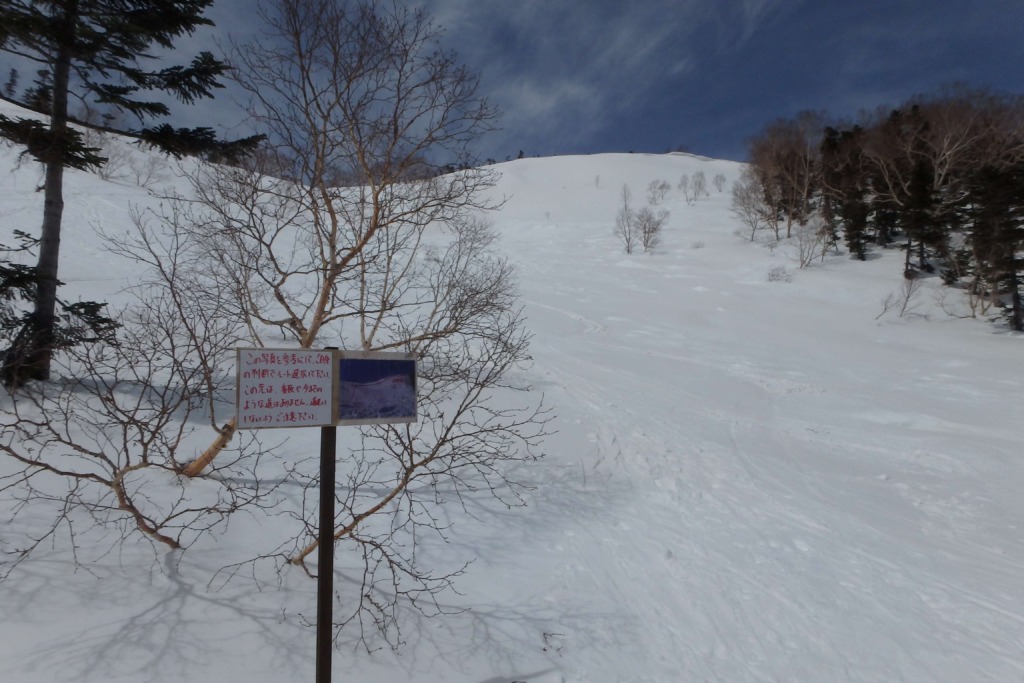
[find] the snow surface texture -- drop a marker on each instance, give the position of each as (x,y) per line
(751,480)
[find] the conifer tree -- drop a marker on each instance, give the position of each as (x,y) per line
(844,187)
(94,49)
(997,233)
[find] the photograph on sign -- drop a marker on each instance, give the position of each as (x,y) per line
(376,388)
(284,388)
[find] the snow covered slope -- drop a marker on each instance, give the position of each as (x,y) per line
(752,480)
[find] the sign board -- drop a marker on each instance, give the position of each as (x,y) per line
(320,388)
(284,388)
(323,388)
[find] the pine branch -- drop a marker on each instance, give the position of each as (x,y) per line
(192,82)
(200,142)
(41,143)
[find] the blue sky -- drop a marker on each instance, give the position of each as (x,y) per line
(586,76)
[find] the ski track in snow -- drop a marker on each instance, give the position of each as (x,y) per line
(759,566)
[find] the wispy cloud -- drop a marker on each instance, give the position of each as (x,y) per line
(752,13)
(562,71)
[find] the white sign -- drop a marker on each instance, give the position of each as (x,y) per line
(285,388)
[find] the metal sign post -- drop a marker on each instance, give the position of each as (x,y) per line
(305,388)
(325,556)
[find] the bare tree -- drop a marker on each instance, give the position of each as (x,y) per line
(359,225)
(96,454)
(786,159)
(684,187)
(364,116)
(699,188)
(640,227)
(719,182)
(649,224)
(812,241)
(625,221)
(657,190)
(748,202)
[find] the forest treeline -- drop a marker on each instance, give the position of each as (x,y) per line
(941,176)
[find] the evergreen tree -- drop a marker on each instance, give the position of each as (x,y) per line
(93,49)
(12,83)
(80,322)
(997,233)
(906,184)
(844,187)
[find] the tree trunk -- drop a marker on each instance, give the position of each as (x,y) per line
(29,358)
(195,468)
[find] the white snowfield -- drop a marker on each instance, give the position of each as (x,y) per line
(751,480)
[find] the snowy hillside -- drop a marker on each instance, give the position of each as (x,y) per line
(751,480)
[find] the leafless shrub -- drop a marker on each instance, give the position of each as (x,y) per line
(148,170)
(812,241)
(980,283)
(779,274)
(699,186)
(649,224)
(117,154)
(657,191)
(748,205)
(625,222)
(684,187)
(982,296)
(904,302)
(718,182)
(125,164)
(96,455)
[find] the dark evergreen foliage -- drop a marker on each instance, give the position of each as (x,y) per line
(39,97)
(94,50)
(996,214)
(11,85)
(39,143)
(200,142)
(845,187)
(79,322)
